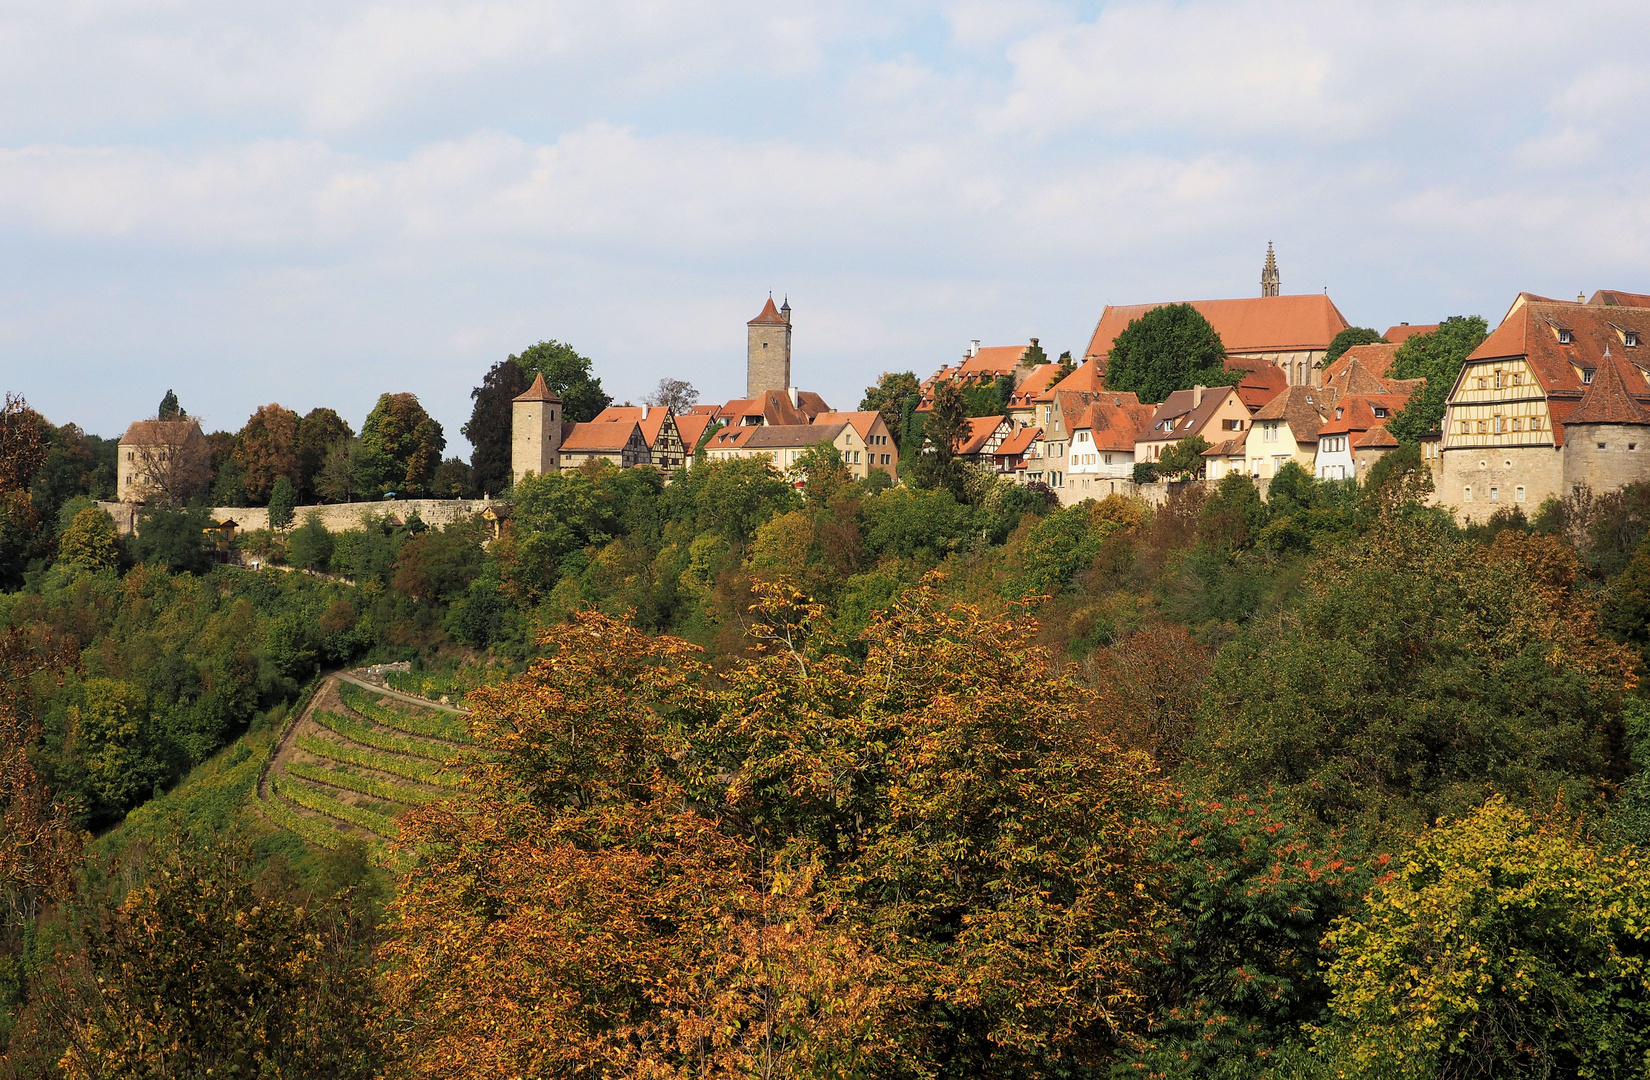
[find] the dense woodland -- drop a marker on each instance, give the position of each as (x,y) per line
(840,778)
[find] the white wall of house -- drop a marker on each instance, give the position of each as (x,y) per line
(1334,460)
(1271,443)
(1084,459)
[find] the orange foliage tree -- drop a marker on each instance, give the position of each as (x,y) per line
(810,865)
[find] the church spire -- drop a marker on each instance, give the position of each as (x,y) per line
(1269,275)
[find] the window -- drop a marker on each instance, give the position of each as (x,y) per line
(1601,446)
(1482,383)
(1587,376)
(1518,378)
(1518,493)
(1380,412)
(1518,425)
(1495,494)
(1466,493)
(1464,428)
(1108,459)
(1630,339)
(1535,423)
(1497,382)
(1500,425)
(1483,426)
(1565,337)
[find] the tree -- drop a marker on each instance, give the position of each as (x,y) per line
(490,423)
(677,395)
(266,449)
(311,544)
(568,376)
(1436,357)
(1169,348)
(451,479)
(1346,339)
(1034,355)
(24,436)
(945,429)
(894,395)
(229,485)
(1184,459)
(811,865)
(171,464)
(823,473)
(1500,946)
(173,537)
(204,970)
(339,479)
(89,541)
(318,432)
(439,565)
(169,408)
(1417,674)
(1144,472)
(400,447)
(282,501)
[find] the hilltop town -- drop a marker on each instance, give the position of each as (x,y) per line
(1554,400)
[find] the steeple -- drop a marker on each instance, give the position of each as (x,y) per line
(1269,274)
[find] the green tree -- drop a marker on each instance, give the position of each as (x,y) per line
(1436,357)
(282,501)
(731,498)
(944,430)
(1169,348)
(909,522)
(451,479)
(318,432)
(267,449)
(1498,947)
(1346,339)
(1417,675)
(489,426)
(1184,459)
(894,395)
(89,541)
(340,477)
(401,446)
(173,537)
(568,376)
(311,544)
(108,730)
(1234,515)
(439,565)
(823,474)
(169,408)
(229,485)
(1034,355)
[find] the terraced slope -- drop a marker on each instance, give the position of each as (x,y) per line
(357,760)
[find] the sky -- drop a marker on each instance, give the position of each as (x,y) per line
(314,203)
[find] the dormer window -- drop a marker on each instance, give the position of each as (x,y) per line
(1587,376)
(1565,337)
(1380,413)
(1339,413)
(1630,339)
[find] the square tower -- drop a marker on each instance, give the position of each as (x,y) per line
(535,432)
(768,360)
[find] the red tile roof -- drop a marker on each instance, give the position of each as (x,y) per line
(1376,437)
(162,432)
(730,438)
(980,430)
(792,436)
(1042,377)
(1607,400)
(539,391)
(1617,298)
(1228,448)
(1115,421)
(651,424)
(862,422)
(597,438)
(1262,383)
(692,428)
(769,316)
(1301,407)
(1087,378)
(1376,359)
(1250,325)
(1357,413)
(1397,335)
(1019,441)
(773,407)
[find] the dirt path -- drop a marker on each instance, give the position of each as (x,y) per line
(411,699)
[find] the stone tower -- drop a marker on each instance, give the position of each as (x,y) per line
(1269,273)
(535,432)
(1607,434)
(768,357)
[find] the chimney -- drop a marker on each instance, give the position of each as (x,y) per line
(795,402)
(644,410)
(1197,396)
(974,347)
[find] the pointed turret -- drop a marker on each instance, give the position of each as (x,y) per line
(535,431)
(1607,400)
(539,391)
(1269,282)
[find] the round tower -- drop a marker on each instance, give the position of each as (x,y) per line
(1607,436)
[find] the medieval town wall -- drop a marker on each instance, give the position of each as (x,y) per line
(337,517)
(1605,457)
(1475,482)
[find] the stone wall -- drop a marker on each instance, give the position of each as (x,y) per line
(1501,470)
(338,517)
(1605,457)
(768,363)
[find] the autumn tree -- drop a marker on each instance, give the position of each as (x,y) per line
(489,426)
(205,970)
(89,541)
(171,463)
(24,436)
(318,432)
(401,446)
(1169,348)
(266,448)
(922,862)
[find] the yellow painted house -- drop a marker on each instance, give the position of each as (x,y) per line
(1286,429)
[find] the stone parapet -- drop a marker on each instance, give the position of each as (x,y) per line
(337,517)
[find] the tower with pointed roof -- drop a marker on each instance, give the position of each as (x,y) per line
(768,353)
(1269,281)
(1607,435)
(535,431)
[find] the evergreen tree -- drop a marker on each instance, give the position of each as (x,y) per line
(282,501)
(489,426)
(169,408)
(893,398)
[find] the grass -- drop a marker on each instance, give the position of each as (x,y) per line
(440,726)
(319,801)
(418,769)
(365,785)
(367,735)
